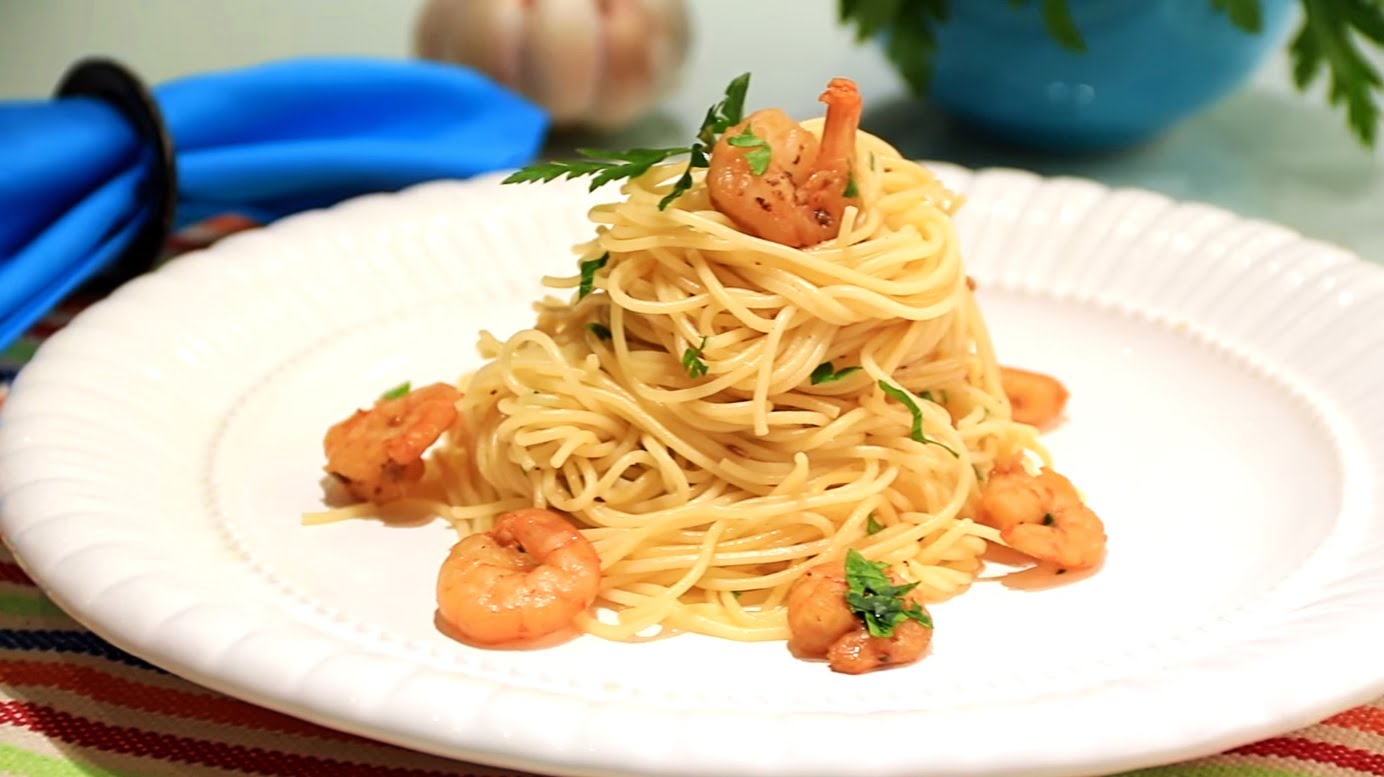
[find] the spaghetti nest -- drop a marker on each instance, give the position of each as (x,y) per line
(718,412)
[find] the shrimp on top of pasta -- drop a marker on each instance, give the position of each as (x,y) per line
(770,410)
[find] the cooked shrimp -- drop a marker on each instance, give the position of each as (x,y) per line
(1034,398)
(1042,516)
(799,198)
(858,652)
(528,577)
(822,625)
(376,453)
(817,611)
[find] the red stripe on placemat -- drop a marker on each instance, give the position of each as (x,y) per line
(83,732)
(1320,752)
(11,573)
(102,687)
(1369,719)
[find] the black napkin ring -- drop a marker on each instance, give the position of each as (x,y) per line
(113,83)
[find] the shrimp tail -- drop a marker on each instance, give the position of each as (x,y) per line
(843,119)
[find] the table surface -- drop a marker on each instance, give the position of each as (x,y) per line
(1265,152)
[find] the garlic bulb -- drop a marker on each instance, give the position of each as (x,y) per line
(598,63)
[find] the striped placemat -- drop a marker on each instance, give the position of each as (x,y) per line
(72,705)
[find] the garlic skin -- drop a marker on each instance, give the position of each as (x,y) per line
(590,63)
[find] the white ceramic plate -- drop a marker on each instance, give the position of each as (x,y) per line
(1225,420)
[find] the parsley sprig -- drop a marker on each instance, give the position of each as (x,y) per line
(606,166)
(719,118)
(1327,40)
(874,598)
(398,391)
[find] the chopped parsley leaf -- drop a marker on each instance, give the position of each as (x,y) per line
(398,391)
(851,190)
(697,159)
(726,113)
(600,330)
(759,153)
(588,273)
(825,373)
(692,360)
(916,432)
(872,526)
(874,598)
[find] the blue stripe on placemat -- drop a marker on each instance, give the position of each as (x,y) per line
(58,641)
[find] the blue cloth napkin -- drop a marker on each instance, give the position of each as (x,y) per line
(263,142)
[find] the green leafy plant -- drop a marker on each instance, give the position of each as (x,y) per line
(1329,39)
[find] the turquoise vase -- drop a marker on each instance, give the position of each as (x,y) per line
(1148,64)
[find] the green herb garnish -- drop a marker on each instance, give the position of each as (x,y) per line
(684,182)
(872,160)
(851,190)
(759,154)
(825,374)
(588,273)
(726,113)
(940,398)
(398,391)
(719,118)
(872,526)
(916,432)
(692,360)
(607,166)
(600,330)
(876,600)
